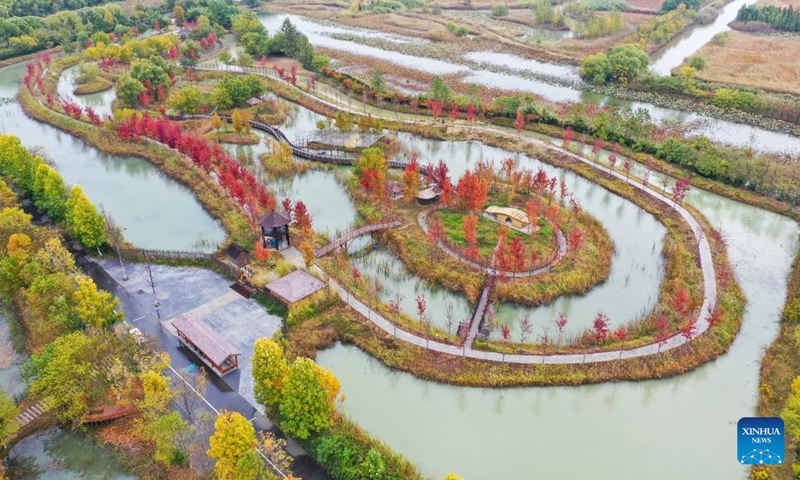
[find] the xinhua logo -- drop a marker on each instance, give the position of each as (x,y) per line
(760,441)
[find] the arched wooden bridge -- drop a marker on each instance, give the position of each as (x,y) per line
(353,234)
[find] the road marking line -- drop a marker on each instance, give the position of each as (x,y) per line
(137,319)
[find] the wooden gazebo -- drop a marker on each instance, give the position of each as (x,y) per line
(207,344)
(275,230)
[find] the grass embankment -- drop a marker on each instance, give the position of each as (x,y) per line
(25,58)
(680,251)
(282,166)
(345,325)
(779,369)
(97,85)
(235,138)
(209,193)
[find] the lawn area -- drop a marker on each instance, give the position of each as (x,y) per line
(770,63)
(542,242)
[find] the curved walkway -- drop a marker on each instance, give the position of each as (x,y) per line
(560,239)
(677,340)
(352,234)
(706,265)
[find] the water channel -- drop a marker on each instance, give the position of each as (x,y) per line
(131,189)
(689,42)
(719,130)
(629,430)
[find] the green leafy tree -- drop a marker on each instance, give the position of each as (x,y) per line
(60,375)
(180,15)
(49,191)
(626,62)
(154,70)
(233,91)
(270,372)
(97,308)
(233,438)
(306,406)
(595,68)
(440,91)
(16,161)
(172,436)
(250,466)
(319,62)
(8,412)
(377,81)
(373,467)
(128,90)
(247,22)
(371,159)
(344,122)
(87,225)
(187,100)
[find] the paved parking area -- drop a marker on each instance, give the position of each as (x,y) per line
(207,295)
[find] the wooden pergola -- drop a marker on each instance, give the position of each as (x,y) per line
(207,344)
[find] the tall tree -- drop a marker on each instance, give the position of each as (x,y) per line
(234,437)
(470,227)
(8,413)
(61,373)
(87,225)
(306,406)
(270,372)
(97,308)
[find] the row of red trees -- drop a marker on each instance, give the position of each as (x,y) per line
(209,156)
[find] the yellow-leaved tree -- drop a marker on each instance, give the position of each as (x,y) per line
(270,371)
(233,447)
(97,308)
(309,396)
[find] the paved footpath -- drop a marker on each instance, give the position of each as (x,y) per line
(706,265)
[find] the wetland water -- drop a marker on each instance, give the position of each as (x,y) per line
(155,211)
(628,430)
(693,39)
(716,129)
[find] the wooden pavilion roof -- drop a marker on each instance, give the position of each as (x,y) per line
(216,348)
(274,219)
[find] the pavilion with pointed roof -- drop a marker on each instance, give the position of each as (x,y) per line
(275,230)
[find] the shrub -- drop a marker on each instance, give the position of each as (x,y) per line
(605,5)
(499,9)
(721,38)
(697,62)
(791,312)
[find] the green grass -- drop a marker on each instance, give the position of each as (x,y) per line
(488,230)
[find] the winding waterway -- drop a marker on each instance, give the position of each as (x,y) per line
(682,427)
(155,211)
(716,129)
(693,39)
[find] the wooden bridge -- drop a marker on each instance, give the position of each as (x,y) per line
(480,311)
(334,157)
(353,234)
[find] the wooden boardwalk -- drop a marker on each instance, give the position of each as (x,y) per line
(355,233)
(480,311)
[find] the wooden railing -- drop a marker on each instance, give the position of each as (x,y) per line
(355,233)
